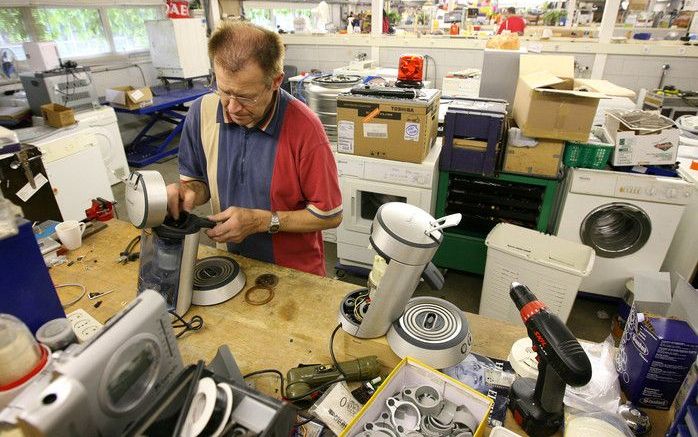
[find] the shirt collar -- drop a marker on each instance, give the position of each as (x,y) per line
(269,124)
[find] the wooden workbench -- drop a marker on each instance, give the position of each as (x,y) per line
(294,327)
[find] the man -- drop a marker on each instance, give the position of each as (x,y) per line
(260,156)
(512,22)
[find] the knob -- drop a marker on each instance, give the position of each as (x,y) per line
(651,191)
(671,193)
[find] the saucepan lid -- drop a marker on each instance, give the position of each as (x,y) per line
(146,198)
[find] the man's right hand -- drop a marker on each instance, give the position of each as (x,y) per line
(180,197)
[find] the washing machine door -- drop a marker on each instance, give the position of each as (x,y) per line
(616,229)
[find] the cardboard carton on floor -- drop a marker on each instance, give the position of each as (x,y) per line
(546,104)
(387,128)
(128,97)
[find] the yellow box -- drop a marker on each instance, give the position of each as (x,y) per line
(410,372)
(57,115)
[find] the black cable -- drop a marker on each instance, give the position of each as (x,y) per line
(334,359)
(261,372)
(194,324)
(128,254)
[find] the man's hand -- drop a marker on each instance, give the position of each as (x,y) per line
(235,224)
(185,196)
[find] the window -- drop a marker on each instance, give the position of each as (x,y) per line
(128,28)
(260,17)
(12,33)
(77,31)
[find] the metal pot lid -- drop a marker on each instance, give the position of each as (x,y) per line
(146,198)
(337,79)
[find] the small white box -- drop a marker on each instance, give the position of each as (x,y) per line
(42,56)
(633,148)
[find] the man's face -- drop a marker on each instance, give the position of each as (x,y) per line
(249,86)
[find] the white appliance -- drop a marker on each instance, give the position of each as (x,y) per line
(682,256)
(366,184)
(628,219)
(42,56)
(72,167)
(100,125)
(178,48)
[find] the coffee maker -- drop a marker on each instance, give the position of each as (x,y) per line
(407,238)
(168,247)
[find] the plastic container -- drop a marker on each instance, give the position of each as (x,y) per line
(587,154)
(550,266)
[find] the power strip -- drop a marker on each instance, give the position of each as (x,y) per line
(84,325)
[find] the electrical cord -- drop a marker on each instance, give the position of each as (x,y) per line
(127,255)
(262,372)
(82,293)
(194,324)
(334,359)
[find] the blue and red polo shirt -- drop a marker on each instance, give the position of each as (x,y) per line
(283,164)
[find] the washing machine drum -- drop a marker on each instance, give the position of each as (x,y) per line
(616,229)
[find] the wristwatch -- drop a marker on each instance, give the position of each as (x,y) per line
(274,223)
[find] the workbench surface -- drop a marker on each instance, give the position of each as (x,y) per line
(294,327)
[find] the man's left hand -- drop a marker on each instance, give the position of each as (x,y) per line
(235,224)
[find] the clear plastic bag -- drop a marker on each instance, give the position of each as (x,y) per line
(602,393)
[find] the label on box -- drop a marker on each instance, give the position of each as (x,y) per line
(412,131)
(336,407)
(136,95)
(375,130)
(26,192)
(345,136)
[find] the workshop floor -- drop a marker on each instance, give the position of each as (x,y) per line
(589,320)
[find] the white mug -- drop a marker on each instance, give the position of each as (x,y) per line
(70,233)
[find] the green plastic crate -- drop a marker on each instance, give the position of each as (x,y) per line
(587,155)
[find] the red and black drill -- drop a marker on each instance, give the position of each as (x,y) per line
(537,404)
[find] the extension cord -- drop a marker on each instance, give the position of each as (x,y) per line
(84,325)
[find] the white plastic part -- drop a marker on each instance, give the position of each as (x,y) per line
(550,266)
(19,352)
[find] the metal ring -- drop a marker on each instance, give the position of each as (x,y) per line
(262,301)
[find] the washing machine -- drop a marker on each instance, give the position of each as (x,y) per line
(100,124)
(367,183)
(628,219)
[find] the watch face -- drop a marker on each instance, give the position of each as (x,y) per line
(274,224)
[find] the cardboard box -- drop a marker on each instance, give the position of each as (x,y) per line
(396,129)
(634,147)
(544,159)
(128,97)
(546,104)
(57,115)
(411,373)
(653,359)
(603,86)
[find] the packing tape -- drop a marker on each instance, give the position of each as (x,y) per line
(210,409)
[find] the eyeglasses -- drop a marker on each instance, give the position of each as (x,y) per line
(244,101)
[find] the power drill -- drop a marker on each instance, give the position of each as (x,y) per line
(302,379)
(537,404)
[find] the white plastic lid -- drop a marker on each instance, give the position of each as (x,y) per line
(548,250)
(19,352)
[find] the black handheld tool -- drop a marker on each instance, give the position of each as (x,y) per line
(537,404)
